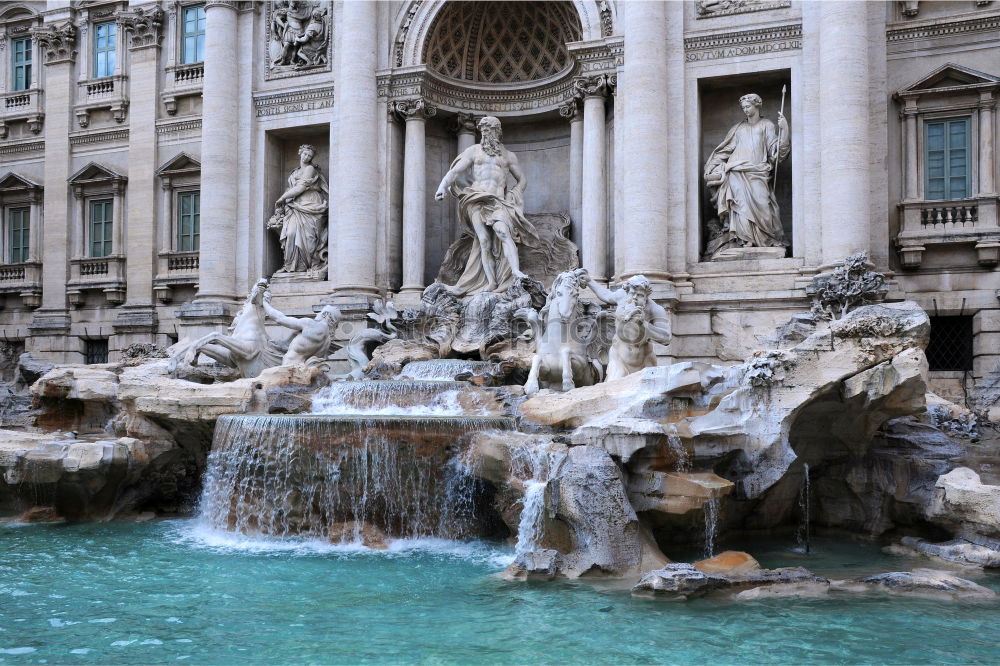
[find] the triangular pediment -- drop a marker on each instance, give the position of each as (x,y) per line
(95,172)
(182,163)
(950,76)
(12,181)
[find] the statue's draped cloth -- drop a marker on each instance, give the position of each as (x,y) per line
(744,200)
(466,251)
(303,234)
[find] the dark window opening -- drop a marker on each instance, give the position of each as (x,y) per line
(950,347)
(96,351)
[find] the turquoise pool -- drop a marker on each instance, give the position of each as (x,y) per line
(166,592)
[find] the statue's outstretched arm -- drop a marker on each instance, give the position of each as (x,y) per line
(281,318)
(461,163)
(605,294)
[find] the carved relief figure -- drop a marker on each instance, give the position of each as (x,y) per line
(300,216)
(739,174)
(492,212)
(299,35)
(315,335)
(639,321)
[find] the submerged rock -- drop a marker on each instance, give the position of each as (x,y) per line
(686,581)
(354,531)
(728,562)
(984,554)
(929,583)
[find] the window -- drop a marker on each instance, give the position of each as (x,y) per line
(950,347)
(21,60)
(188,221)
(95,351)
(18,233)
(947,159)
(101,227)
(193,35)
(105,38)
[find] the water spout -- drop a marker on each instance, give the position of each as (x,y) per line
(802,533)
(711,526)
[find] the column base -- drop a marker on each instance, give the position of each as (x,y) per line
(409,296)
(50,338)
(133,325)
(199,318)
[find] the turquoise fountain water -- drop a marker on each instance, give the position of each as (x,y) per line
(174,592)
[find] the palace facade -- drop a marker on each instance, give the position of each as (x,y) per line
(143,146)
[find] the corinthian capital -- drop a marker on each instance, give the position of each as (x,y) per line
(592,86)
(145,26)
(56,42)
(412,108)
(463,122)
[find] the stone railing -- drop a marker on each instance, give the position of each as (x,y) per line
(24,279)
(186,75)
(106,274)
(958,222)
(21,105)
(175,269)
(109,92)
(964,213)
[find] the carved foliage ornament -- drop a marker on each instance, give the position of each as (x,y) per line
(298,37)
(57,42)
(145,27)
(593,86)
(412,108)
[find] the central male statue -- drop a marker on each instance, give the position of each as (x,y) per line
(494,212)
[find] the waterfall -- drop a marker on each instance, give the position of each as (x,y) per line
(802,533)
(283,475)
(711,525)
(683,460)
(403,398)
(537,466)
(442,368)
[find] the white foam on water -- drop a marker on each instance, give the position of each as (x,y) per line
(123,643)
(80,651)
(199,535)
(17,650)
(103,620)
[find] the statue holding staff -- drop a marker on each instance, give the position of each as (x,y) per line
(739,174)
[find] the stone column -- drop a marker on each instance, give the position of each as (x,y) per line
(415,113)
(987,145)
(353,232)
(136,321)
(219,167)
(571,111)
(594,191)
(465,130)
(647,117)
(844,145)
(912,191)
(50,325)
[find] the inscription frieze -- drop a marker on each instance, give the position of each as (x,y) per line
(293,102)
(743,43)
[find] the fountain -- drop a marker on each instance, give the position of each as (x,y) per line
(802,532)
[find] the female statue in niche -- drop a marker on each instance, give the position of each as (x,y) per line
(739,174)
(300,217)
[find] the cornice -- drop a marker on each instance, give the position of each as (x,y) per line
(86,138)
(943,28)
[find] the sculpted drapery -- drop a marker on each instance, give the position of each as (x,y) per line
(300,217)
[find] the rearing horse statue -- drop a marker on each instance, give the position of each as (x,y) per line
(247,347)
(561,338)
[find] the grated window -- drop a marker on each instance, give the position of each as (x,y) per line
(950,347)
(96,350)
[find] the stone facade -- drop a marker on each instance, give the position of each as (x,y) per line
(116,146)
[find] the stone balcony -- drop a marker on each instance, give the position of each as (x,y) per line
(173,269)
(960,221)
(105,274)
(21,106)
(25,280)
(182,81)
(109,92)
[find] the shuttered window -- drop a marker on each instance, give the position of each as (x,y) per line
(188,221)
(101,227)
(20,58)
(946,159)
(18,232)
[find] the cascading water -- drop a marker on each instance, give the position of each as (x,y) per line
(537,466)
(711,526)
(385,454)
(442,369)
(802,533)
(677,447)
